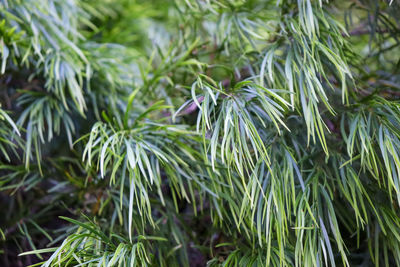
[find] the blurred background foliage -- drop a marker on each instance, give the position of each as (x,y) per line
(199,133)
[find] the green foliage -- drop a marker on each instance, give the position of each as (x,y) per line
(194,133)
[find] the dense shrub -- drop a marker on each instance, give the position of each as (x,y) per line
(199,132)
